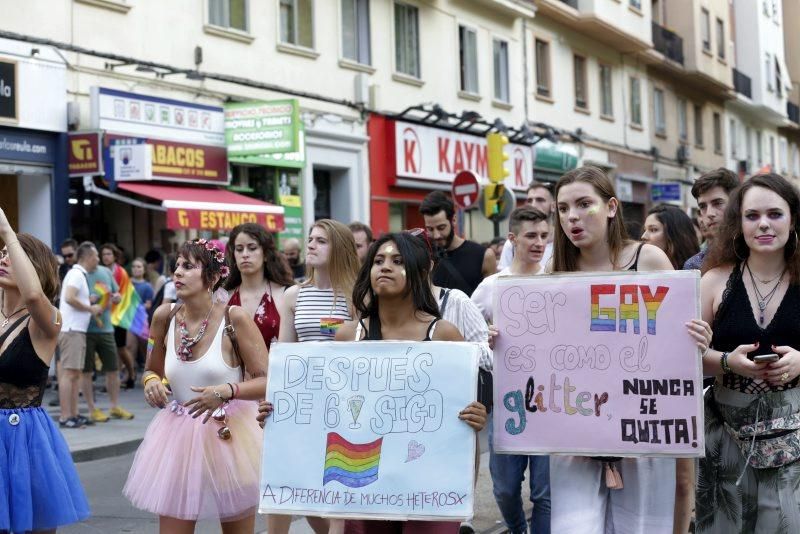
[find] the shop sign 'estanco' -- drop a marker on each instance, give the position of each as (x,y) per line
(259,128)
(83,157)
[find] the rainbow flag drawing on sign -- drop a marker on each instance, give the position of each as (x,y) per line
(130,312)
(353,464)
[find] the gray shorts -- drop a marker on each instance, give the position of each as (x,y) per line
(72,349)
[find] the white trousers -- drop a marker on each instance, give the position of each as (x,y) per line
(582,504)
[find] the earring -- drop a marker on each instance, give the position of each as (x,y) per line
(735,251)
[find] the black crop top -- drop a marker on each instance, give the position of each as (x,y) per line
(23,375)
(735,324)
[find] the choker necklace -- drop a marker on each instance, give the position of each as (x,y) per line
(187,343)
(763,300)
(8,318)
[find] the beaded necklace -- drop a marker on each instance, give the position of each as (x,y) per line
(187,343)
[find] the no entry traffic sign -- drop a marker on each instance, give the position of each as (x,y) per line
(465,189)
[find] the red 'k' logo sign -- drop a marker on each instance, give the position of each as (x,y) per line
(412,152)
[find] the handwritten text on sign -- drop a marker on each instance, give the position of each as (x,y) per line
(598,364)
(371,429)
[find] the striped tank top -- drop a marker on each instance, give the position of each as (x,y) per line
(317,316)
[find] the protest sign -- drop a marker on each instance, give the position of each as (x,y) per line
(598,364)
(370,430)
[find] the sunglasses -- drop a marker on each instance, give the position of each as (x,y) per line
(68,255)
(422,234)
(220,416)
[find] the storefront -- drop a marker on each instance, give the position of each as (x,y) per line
(633,175)
(33,141)
(676,186)
(165,176)
(408,160)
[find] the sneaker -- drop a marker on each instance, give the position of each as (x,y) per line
(85,421)
(118,412)
(72,422)
(98,416)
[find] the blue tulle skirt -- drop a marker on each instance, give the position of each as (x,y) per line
(39,486)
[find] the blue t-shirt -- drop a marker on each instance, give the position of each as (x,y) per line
(144,290)
(102,284)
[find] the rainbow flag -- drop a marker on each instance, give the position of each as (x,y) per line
(353,464)
(130,312)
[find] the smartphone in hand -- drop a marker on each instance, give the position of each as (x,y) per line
(766,358)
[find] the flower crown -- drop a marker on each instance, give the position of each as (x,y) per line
(216,254)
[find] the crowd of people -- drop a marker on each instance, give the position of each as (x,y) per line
(217,309)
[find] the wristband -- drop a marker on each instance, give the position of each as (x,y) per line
(233,393)
(237,390)
(723,361)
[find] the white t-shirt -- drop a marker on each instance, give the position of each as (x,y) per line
(482,296)
(507,255)
(73,319)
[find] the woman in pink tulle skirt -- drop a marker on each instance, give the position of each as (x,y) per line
(201,455)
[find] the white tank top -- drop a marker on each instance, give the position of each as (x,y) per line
(208,369)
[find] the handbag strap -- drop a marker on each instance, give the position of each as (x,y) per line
(443,305)
(230,331)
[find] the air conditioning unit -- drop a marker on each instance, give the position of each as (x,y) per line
(683,154)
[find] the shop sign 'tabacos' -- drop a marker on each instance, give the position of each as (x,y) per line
(433,154)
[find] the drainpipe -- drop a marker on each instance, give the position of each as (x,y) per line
(525,65)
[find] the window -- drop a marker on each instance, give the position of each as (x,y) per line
(683,123)
(406,39)
(766,8)
(772,153)
(636,4)
(795,160)
(297,22)
(698,125)
(748,145)
(500,55)
(606,91)
(658,108)
(705,28)
(636,102)
(542,68)
(784,157)
(468,59)
(717,123)
(768,71)
(759,148)
(228,14)
(579,68)
(734,139)
(355,31)
(778,84)
(720,39)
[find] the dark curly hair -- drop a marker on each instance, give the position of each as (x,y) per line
(276,269)
(198,251)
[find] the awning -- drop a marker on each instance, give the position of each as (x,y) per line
(553,158)
(208,209)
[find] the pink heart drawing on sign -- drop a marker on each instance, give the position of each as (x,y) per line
(415,450)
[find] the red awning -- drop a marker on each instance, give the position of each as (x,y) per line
(209,209)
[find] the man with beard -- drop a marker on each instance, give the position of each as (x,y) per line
(463,263)
(291,250)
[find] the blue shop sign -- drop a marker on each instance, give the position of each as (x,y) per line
(665,192)
(26,146)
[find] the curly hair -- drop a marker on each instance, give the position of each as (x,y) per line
(276,268)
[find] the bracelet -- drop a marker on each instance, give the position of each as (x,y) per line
(723,361)
(237,390)
(233,393)
(148,378)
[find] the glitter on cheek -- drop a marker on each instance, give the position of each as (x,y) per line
(403,272)
(594,210)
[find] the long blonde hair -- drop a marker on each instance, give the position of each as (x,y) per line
(343,264)
(565,253)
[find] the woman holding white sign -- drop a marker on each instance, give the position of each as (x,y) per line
(750,477)
(394,299)
(638,494)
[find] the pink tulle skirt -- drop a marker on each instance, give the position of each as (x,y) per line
(184,470)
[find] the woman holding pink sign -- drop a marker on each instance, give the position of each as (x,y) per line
(750,477)
(594,496)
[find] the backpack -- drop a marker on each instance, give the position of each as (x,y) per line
(158,300)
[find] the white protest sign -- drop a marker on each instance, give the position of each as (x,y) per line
(598,364)
(370,430)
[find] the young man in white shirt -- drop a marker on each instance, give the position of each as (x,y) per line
(528,234)
(540,196)
(76,310)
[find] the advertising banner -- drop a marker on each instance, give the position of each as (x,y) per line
(222,220)
(433,154)
(375,428)
(84,156)
(257,128)
(598,364)
(8,90)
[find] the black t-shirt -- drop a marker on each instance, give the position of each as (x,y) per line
(461,268)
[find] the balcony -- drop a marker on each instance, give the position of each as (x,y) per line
(668,43)
(571,3)
(793,111)
(742,84)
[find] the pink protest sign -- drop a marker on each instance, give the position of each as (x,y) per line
(598,364)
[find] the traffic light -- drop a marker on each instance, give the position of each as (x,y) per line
(495,157)
(493,200)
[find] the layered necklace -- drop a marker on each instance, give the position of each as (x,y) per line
(763,300)
(188,342)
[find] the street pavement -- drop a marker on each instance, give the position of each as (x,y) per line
(104,452)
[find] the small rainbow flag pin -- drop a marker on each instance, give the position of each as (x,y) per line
(353,464)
